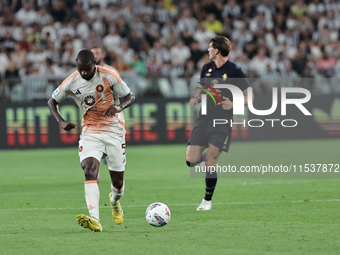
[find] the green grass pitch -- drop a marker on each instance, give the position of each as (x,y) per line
(42,191)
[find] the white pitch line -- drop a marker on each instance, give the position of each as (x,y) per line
(170,205)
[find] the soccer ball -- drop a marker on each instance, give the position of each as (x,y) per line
(157,214)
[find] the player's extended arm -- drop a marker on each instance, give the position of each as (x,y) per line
(227,104)
(66,125)
(112,110)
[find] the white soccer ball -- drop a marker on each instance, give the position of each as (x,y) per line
(157,214)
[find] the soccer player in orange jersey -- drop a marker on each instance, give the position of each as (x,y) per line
(95,89)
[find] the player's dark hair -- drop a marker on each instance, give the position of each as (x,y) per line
(85,56)
(222,44)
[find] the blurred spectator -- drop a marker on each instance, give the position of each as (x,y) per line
(259,22)
(11,77)
(153,67)
(179,53)
(27,15)
(4,61)
(120,65)
(160,53)
(69,55)
(134,40)
(83,29)
(196,53)
(231,10)
(18,56)
(170,39)
(138,65)
(260,62)
(202,36)
(59,10)
(189,70)
(213,24)
(30,69)
(242,36)
(50,69)
(243,62)
(125,51)
(123,27)
(315,8)
(289,73)
(112,40)
(66,29)
(161,14)
(214,7)
(267,8)
(44,17)
(326,65)
(235,52)
(8,41)
(299,8)
(187,22)
(35,56)
(94,40)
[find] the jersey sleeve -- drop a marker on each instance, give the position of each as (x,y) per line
(119,87)
(243,83)
(60,93)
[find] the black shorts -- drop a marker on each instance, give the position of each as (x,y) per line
(204,133)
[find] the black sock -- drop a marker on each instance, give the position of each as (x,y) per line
(210,184)
(201,159)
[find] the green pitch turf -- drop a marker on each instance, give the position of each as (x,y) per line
(42,192)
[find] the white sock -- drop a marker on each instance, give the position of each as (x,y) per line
(116,193)
(92,198)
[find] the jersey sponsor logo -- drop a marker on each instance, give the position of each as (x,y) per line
(208,74)
(80,148)
(100,88)
(224,76)
(90,100)
(78,92)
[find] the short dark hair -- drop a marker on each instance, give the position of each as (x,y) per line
(222,44)
(85,56)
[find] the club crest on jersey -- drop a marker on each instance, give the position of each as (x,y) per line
(90,100)
(100,88)
(210,70)
(208,74)
(213,83)
(80,148)
(224,76)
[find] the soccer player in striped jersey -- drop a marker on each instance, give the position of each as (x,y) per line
(96,89)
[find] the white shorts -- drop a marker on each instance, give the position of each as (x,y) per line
(98,144)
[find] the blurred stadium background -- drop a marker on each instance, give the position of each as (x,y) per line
(157,47)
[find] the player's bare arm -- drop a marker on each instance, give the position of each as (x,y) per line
(196,99)
(64,124)
(227,104)
(112,110)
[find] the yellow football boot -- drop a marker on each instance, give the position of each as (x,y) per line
(89,223)
(117,212)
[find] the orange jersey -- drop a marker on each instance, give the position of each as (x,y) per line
(94,96)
